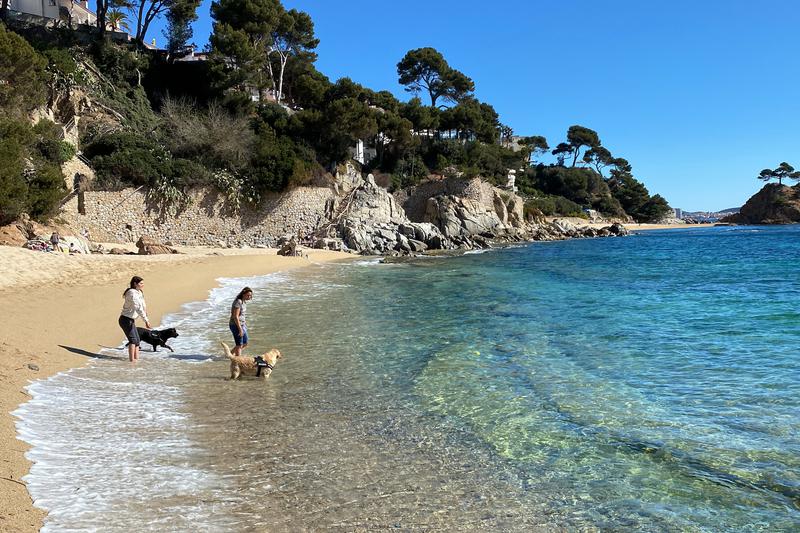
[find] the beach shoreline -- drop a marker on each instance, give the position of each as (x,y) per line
(57,309)
(630,226)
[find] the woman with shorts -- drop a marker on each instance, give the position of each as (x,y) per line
(133,308)
(237,322)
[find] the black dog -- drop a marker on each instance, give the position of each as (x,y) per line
(156,337)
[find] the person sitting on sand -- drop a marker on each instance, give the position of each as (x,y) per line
(133,308)
(237,322)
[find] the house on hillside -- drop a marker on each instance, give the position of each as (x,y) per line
(71,11)
(77,12)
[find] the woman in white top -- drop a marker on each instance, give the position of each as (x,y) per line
(133,308)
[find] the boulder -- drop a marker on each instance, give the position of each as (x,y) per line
(150,246)
(289,248)
(12,235)
(327,243)
(617,229)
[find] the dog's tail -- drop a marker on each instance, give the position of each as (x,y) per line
(228,353)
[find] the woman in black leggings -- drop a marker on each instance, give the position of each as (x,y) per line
(133,308)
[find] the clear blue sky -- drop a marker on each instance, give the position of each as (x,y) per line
(699,96)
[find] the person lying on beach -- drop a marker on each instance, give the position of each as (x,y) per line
(237,321)
(133,308)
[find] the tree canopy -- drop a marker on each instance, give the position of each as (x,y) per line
(784,171)
(22,74)
(426,69)
(578,137)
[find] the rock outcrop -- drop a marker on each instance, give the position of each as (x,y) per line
(12,235)
(774,204)
(560,229)
(150,246)
(371,221)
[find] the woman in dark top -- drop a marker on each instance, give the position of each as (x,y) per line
(238,321)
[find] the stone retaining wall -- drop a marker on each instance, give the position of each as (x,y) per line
(415,200)
(126,215)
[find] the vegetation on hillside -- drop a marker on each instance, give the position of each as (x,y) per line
(30,155)
(258,117)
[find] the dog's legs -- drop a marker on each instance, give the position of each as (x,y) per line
(170,348)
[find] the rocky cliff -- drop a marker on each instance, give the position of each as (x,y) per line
(442,215)
(774,204)
(352,214)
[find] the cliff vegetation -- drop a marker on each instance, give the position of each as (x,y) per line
(256,116)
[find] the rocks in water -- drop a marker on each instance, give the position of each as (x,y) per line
(150,246)
(617,229)
(560,229)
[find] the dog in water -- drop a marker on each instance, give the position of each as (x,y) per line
(156,338)
(260,366)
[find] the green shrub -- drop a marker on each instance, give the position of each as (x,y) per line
(186,173)
(554,205)
(120,66)
(13,188)
(56,151)
(170,197)
(409,170)
(274,164)
(61,61)
(45,190)
(29,182)
(50,145)
(124,158)
(22,75)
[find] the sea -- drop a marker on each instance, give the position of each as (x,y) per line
(645,383)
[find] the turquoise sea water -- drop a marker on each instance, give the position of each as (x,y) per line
(645,383)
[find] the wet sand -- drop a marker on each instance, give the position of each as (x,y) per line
(55,310)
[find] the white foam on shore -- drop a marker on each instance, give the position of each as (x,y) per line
(368,262)
(111,443)
(107,442)
(477,252)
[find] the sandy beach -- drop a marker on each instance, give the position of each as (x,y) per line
(56,309)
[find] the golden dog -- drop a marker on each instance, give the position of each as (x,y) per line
(249,366)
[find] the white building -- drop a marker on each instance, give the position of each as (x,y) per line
(76,11)
(42,8)
(362,153)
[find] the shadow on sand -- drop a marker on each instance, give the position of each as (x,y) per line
(86,353)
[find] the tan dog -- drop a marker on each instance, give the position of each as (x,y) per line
(249,366)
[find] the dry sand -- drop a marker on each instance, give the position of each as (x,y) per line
(55,309)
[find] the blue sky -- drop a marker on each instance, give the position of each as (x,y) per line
(698,96)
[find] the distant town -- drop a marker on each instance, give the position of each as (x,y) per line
(702,217)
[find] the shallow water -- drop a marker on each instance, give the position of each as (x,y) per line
(646,383)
